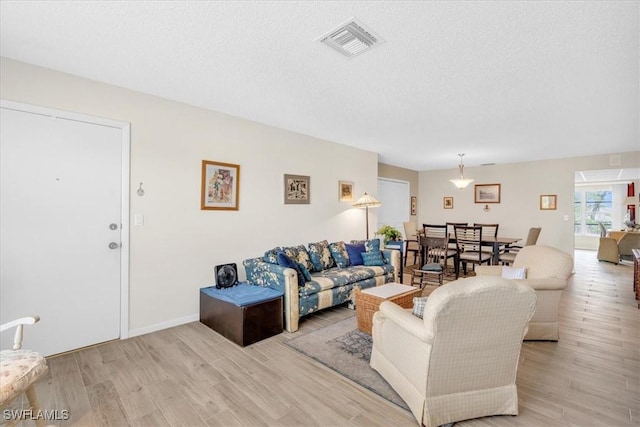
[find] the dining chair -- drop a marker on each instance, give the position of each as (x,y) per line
(488,230)
(435,249)
(440,231)
(19,371)
(411,241)
(469,246)
(508,256)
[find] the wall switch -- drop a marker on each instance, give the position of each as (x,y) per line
(138,219)
(565,217)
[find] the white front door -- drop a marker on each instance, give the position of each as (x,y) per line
(61,229)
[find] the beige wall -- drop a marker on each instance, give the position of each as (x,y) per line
(521,187)
(174,253)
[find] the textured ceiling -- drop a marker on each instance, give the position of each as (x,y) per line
(500,81)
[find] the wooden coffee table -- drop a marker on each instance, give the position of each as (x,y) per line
(368,301)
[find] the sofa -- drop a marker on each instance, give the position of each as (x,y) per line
(322,275)
(547,271)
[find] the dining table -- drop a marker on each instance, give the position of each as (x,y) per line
(496,243)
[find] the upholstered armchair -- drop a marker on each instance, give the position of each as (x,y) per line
(547,271)
(458,362)
(19,371)
(613,250)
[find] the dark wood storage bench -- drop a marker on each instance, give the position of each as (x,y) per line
(244,313)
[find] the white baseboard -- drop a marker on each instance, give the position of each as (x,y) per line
(164,325)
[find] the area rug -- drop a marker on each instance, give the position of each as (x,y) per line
(346,350)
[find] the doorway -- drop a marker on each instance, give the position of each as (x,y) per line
(64,226)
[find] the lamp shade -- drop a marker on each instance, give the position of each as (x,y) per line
(366,201)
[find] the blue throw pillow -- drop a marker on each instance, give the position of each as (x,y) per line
(372,245)
(321,256)
(287,262)
(372,258)
(305,272)
(354,250)
(339,254)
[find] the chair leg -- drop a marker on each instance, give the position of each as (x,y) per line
(35,405)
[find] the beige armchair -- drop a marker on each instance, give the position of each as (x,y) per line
(613,250)
(19,371)
(548,270)
(460,361)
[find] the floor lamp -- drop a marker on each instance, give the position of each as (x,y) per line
(366,202)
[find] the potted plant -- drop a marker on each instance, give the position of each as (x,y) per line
(389,233)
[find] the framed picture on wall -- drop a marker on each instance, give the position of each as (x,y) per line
(414,205)
(345,191)
(447,202)
(220,187)
(487,193)
(297,189)
(548,202)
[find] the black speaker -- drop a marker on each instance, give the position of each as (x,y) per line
(226,275)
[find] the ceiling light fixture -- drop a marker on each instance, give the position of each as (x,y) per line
(461,182)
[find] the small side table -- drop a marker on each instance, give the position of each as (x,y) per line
(244,313)
(368,301)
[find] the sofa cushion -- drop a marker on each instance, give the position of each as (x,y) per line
(354,250)
(271,256)
(304,258)
(514,273)
(305,272)
(336,277)
(419,303)
(291,252)
(372,245)
(285,261)
(321,256)
(373,258)
(339,254)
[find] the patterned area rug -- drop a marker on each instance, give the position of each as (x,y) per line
(346,350)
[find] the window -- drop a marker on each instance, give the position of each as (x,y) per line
(590,208)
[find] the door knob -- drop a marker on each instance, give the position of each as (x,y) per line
(113,245)
(113,226)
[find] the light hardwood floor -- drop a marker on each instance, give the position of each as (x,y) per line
(191,376)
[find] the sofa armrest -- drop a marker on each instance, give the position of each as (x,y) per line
(281,279)
(404,319)
(489,270)
(394,258)
(549,284)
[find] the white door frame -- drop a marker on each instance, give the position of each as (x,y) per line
(126,148)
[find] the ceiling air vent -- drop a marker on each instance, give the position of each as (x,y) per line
(351,39)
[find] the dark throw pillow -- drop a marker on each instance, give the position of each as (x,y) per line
(354,250)
(287,262)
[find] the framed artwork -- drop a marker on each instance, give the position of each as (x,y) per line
(297,190)
(548,202)
(487,193)
(447,202)
(414,205)
(345,191)
(220,186)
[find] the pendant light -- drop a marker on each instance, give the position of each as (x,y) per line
(461,182)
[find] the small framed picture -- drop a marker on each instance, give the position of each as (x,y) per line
(447,202)
(487,193)
(297,189)
(220,187)
(548,202)
(414,205)
(345,191)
